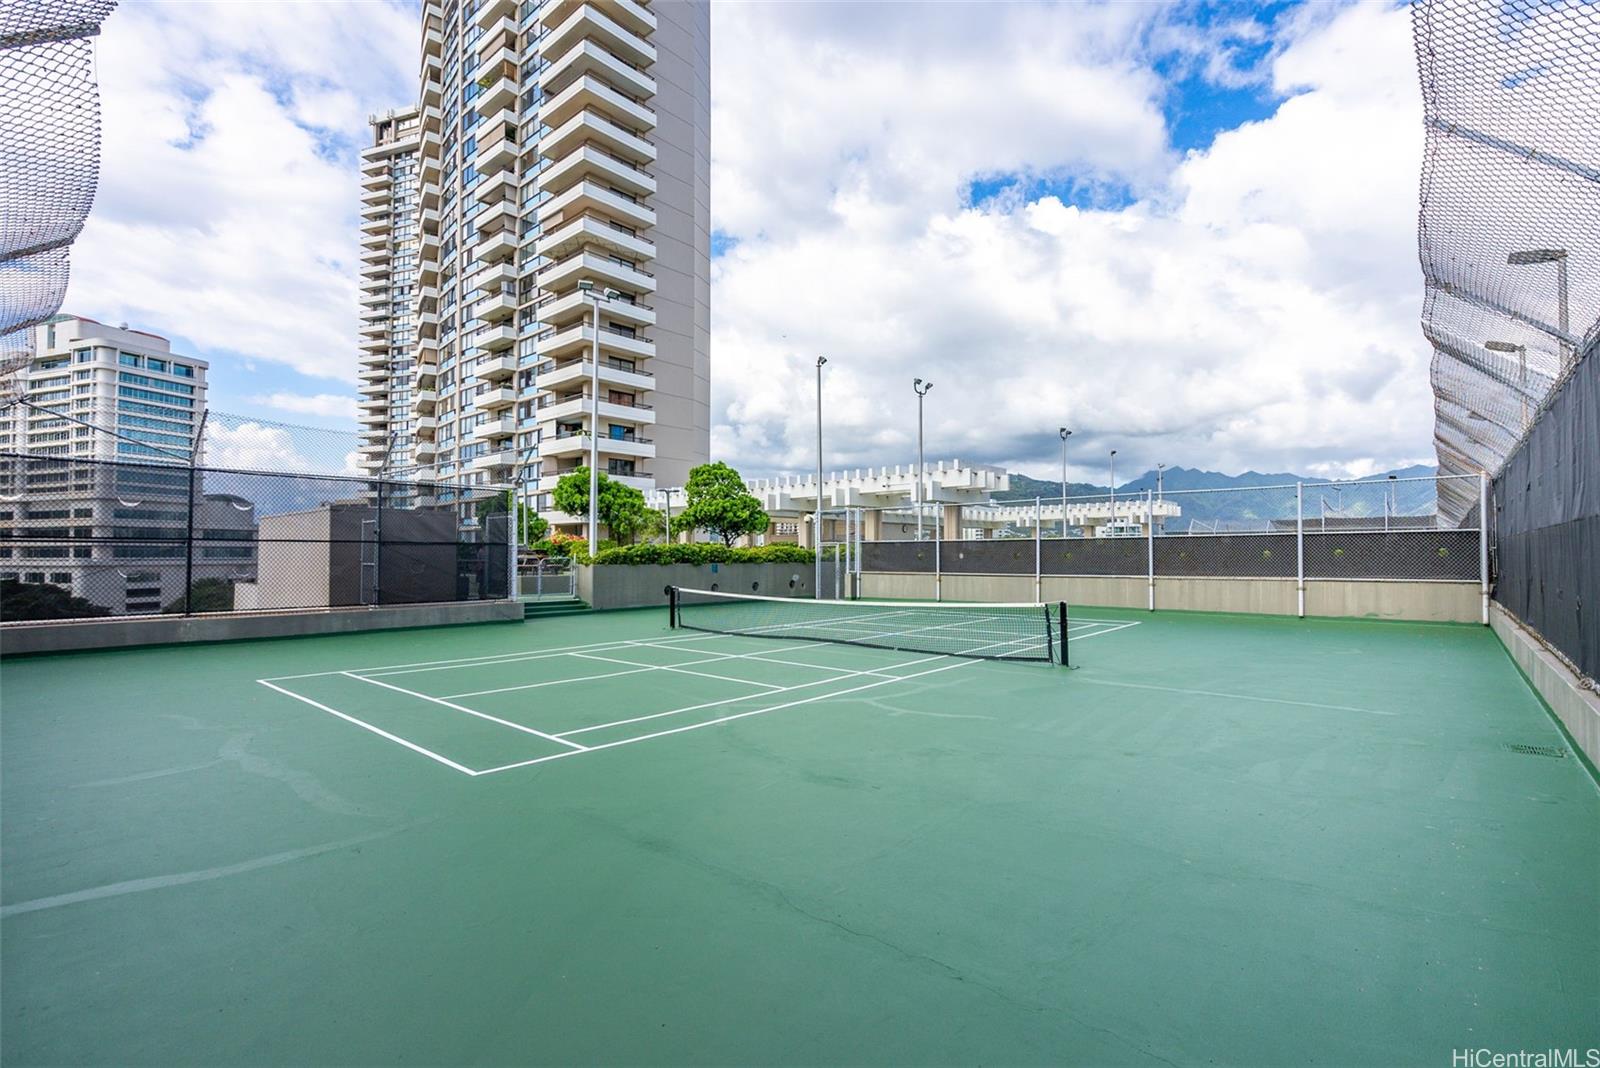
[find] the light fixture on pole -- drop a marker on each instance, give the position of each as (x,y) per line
(816,532)
(1113,492)
(1159,469)
(1390,506)
(921,389)
(1522,370)
(1557,256)
(587,288)
(1065,434)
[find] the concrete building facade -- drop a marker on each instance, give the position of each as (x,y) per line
(111,531)
(563,213)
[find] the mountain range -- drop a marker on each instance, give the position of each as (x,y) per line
(1408,498)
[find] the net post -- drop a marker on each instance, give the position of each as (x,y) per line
(672,607)
(1061,612)
(1150,547)
(1483,542)
(1300,548)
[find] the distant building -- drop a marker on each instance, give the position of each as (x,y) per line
(94,479)
(559,152)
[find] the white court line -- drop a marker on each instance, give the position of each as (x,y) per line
(364,725)
(681,670)
(470,661)
(711,658)
(1110,629)
(468,711)
(748,697)
(538,685)
(1235,696)
(736,715)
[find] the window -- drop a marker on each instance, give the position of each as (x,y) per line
(82,355)
(128,359)
(156,365)
(183,370)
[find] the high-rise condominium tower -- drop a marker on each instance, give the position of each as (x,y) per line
(554,174)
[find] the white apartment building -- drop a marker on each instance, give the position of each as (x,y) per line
(111,532)
(390,252)
(563,162)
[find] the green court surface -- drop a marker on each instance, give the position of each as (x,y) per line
(591,839)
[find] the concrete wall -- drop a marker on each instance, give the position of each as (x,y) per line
(22,639)
(1444,602)
(1574,703)
(625,586)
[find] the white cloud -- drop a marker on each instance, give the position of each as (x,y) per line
(1254,306)
(327,405)
(227,211)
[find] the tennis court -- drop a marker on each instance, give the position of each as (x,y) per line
(598,838)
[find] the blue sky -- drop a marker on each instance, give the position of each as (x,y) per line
(1139,219)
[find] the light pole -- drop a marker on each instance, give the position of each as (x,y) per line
(816,533)
(1390,506)
(1113,492)
(921,389)
(1557,256)
(668,494)
(594,299)
(1522,369)
(1159,469)
(1065,434)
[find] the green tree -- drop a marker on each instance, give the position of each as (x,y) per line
(622,508)
(531,526)
(206,595)
(719,503)
(41,600)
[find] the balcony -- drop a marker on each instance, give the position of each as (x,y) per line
(592,231)
(559,277)
(588,92)
(606,169)
(497,216)
(579,340)
(568,376)
(499,90)
(577,406)
(498,186)
(575,443)
(495,338)
(587,57)
(489,461)
(588,23)
(592,196)
(634,16)
(493,11)
(496,308)
(424,451)
(425,425)
(498,246)
(423,401)
(495,277)
(498,154)
(498,368)
(591,127)
(495,428)
(495,399)
(562,311)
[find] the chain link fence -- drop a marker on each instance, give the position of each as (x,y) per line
(1375,530)
(1509,226)
(49,157)
(85,538)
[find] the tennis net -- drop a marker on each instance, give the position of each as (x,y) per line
(988,631)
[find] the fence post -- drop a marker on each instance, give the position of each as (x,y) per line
(514,546)
(1150,547)
(377,546)
(1300,549)
(1038,575)
(938,536)
(1483,541)
(188,545)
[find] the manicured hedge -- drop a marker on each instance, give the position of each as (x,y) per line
(701,553)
